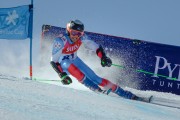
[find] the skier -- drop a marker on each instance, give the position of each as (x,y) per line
(65,62)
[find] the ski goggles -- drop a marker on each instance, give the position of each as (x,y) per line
(76,33)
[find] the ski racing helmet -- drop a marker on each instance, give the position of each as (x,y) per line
(75,25)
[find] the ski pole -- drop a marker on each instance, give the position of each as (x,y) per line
(143,71)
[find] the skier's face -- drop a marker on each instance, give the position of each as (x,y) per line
(75,35)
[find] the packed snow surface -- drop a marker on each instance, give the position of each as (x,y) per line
(22,99)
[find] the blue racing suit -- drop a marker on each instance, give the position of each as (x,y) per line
(64,52)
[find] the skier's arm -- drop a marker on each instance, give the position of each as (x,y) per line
(105,61)
(66,80)
(89,44)
(56,53)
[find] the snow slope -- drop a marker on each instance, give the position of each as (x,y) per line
(22,99)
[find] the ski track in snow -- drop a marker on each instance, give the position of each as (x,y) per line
(31,100)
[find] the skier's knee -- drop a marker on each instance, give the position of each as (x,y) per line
(65,64)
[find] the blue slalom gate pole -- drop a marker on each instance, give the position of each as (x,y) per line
(31,37)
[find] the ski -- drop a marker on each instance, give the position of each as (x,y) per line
(160,101)
(165,102)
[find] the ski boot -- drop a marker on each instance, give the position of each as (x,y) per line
(123,93)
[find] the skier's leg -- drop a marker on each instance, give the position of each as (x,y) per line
(87,71)
(69,67)
(117,89)
(123,93)
(106,84)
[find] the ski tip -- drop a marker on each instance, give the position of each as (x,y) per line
(150,98)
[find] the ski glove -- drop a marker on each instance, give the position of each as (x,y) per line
(106,61)
(66,80)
